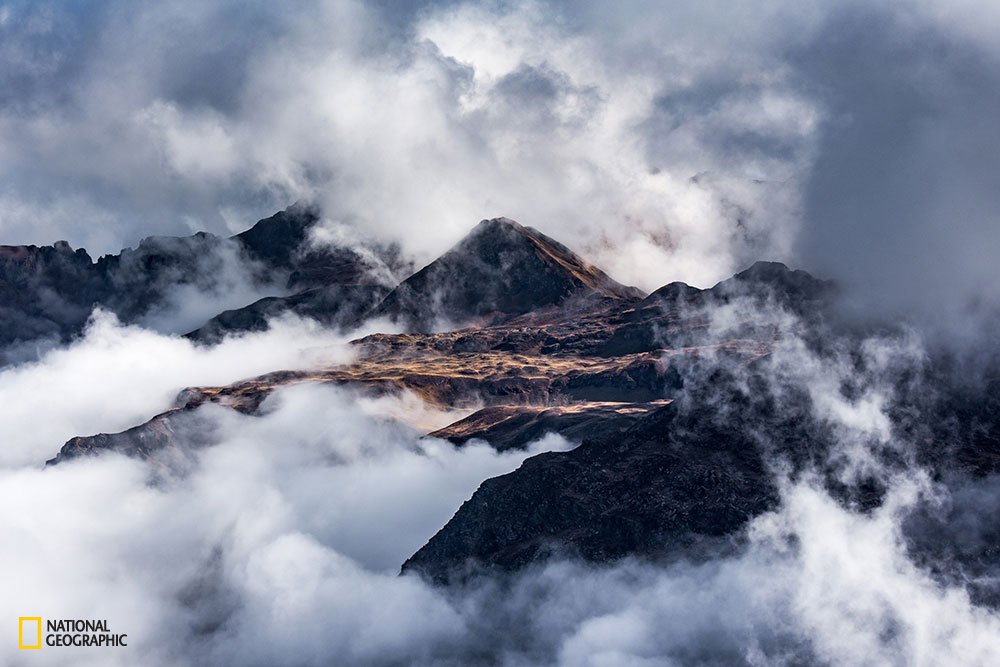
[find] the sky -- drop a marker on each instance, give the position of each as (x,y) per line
(661,140)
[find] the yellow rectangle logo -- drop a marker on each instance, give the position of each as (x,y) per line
(28,636)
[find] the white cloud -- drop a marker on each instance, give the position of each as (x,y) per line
(116,377)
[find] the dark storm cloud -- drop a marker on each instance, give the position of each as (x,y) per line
(49,49)
(903,200)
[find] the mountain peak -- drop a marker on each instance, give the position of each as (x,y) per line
(502,225)
(277,239)
(553,253)
(767,271)
(500,222)
(500,268)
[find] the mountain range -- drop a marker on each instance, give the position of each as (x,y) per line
(672,396)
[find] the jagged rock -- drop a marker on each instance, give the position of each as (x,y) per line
(547,364)
(51,291)
(276,241)
(282,243)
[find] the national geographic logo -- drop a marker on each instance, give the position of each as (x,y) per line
(65,632)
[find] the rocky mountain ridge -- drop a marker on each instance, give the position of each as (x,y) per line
(683,428)
(49,292)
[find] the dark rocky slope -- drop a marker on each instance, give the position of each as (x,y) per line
(684,476)
(660,486)
(689,476)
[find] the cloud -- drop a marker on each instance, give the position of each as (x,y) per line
(115,377)
(282,547)
(293,518)
(901,203)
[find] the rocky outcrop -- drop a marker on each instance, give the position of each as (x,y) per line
(587,365)
(46,292)
(169,442)
(682,425)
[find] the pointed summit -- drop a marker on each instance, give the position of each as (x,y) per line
(499,268)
